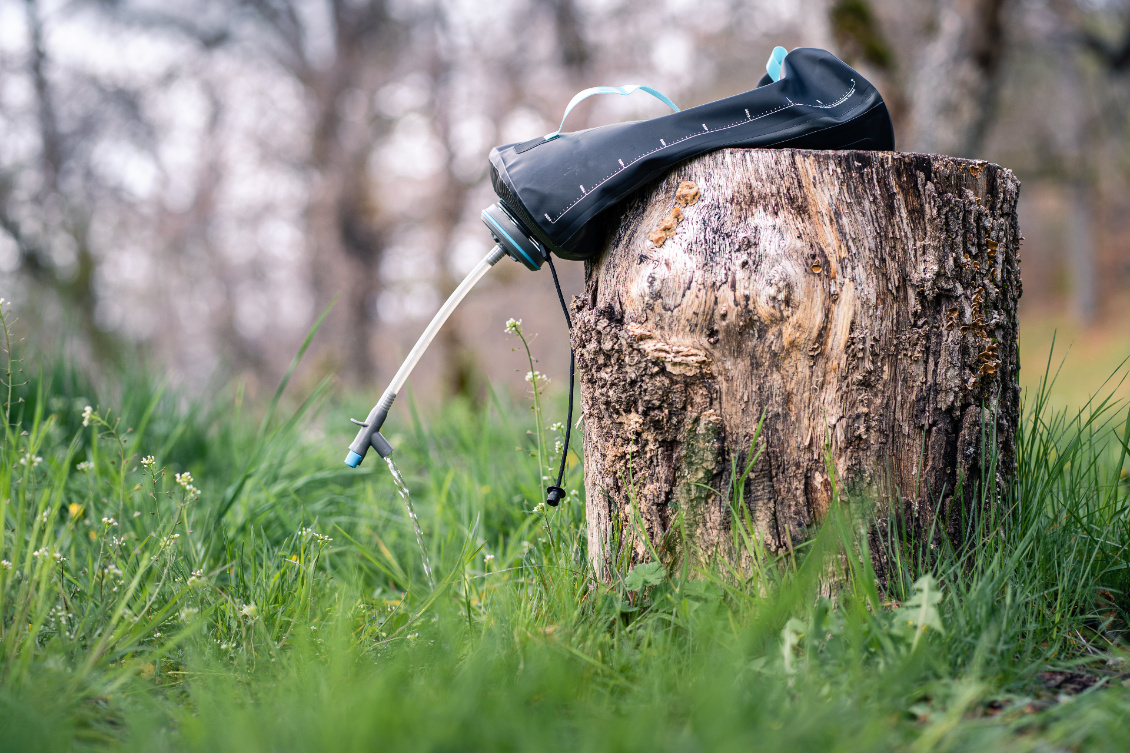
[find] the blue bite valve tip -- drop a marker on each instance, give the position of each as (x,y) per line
(353,459)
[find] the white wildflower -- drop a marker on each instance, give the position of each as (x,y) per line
(59,558)
(85,465)
(513,326)
(109,521)
(488,558)
(315,535)
(87,415)
(539,508)
(249,610)
(184,479)
(536,376)
(557,426)
(148,461)
(5,565)
(32,460)
(112,569)
(40,553)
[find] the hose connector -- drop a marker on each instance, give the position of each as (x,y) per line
(369,435)
(512,238)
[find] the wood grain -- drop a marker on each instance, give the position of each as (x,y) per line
(861,304)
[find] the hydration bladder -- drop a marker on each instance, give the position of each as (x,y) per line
(553,190)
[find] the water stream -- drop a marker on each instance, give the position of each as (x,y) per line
(400,487)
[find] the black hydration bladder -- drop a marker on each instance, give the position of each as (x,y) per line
(552,188)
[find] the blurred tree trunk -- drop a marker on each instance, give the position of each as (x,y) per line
(862,305)
(1080,251)
(344,214)
(345,258)
(339,53)
(954,92)
(862,42)
(66,212)
(459,362)
(1078,144)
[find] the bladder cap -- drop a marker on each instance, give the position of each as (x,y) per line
(512,237)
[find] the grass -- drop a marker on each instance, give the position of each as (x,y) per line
(1093,354)
(273,599)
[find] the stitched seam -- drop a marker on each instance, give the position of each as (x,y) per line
(583,196)
(818,130)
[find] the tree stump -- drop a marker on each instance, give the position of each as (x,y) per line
(861,306)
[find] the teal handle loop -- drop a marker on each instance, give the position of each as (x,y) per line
(624,90)
(773,67)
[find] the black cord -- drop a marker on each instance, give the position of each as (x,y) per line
(554,494)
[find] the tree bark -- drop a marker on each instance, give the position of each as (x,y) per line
(859,306)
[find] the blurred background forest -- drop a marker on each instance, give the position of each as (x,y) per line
(190,183)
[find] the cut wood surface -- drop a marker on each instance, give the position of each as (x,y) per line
(859,306)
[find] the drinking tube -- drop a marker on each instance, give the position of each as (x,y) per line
(369,435)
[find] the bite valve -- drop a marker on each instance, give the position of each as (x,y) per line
(369,434)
